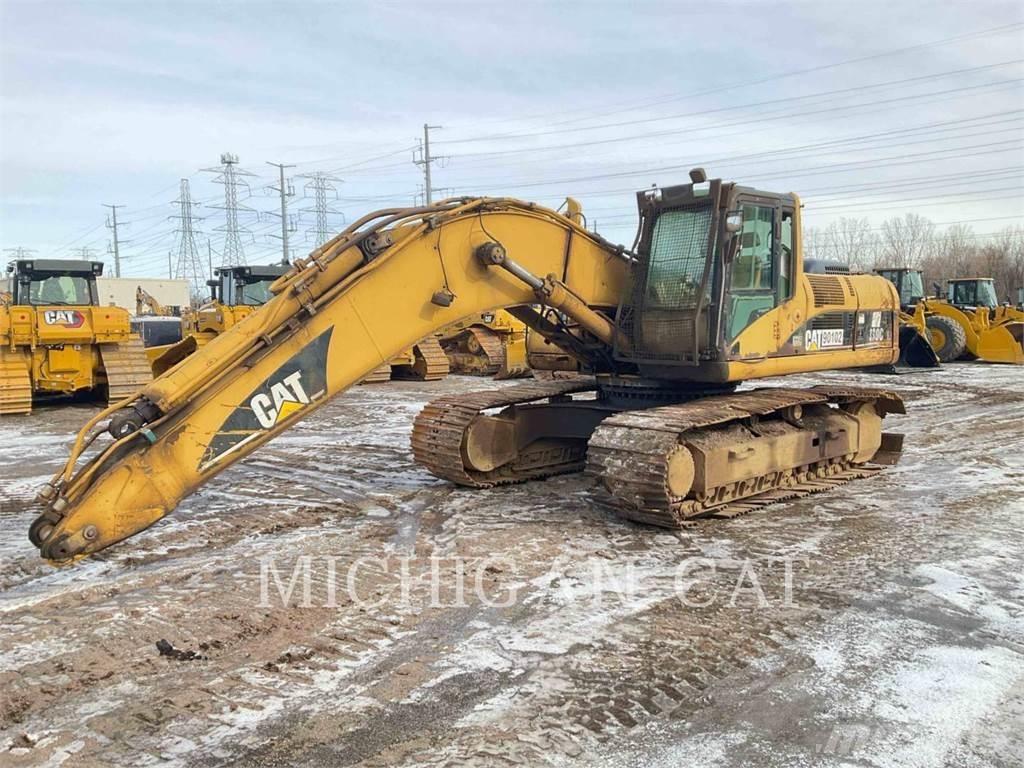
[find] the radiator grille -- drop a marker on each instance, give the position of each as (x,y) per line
(828,290)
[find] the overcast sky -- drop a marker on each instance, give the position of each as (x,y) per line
(104,102)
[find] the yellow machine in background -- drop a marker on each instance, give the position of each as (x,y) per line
(236,292)
(493,344)
(968,323)
(715,294)
(56,341)
(423,361)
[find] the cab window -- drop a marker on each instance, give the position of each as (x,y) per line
(752,267)
(786,257)
(752,281)
(59,290)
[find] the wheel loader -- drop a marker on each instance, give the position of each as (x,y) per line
(712,295)
(968,323)
(493,344)
(56,341)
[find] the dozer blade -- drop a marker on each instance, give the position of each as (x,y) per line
(1002,344)
(162,359)
(126,367)
(15,383)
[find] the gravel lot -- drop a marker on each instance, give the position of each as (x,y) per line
(879,624)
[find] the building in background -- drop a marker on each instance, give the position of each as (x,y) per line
(120,292)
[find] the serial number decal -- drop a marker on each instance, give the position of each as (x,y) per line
(824,338)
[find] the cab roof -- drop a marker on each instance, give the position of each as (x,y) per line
(60,266)
(257,271)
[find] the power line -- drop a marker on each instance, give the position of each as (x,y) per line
(112,225)
(703,112)
(1003,29)
(427,160)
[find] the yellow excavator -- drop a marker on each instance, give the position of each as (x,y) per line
(493,344)
(712,294)
(969,323)
(56,341)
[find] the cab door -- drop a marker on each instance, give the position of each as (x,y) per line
(750,291)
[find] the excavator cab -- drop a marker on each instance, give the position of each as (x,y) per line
(54,282)
(713,258)
(245,286)
(972,293)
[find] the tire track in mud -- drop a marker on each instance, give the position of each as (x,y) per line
(545,680)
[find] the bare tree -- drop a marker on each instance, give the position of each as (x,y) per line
(906,241)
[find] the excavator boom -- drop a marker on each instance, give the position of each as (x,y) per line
(354,303)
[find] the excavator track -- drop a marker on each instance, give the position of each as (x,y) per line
(127,368)
(477,351)
(633,454)
(378,375)
(431,362)
(437,435)
(15,383)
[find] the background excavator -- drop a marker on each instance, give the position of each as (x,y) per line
(969,323)
(493,344)
(55,339)
(713,293)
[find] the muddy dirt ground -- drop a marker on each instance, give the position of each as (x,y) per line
(880,624)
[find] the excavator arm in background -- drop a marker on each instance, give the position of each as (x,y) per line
(389,280)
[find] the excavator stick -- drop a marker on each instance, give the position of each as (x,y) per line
(15,382)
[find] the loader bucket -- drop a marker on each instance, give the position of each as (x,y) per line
(1002,344)
(915,349)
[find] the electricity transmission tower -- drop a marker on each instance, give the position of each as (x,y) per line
(190,265)
(116,245)
(232,177)
(285,190)
(20,252)
(423,157)
(85,253)
(323,189)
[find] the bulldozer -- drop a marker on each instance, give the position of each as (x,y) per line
(967,323)
(56,341)
(713,294)
(493,344)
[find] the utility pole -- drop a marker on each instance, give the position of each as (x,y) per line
(209,255)
(322,185)
(190,266)
(85,253)
(112,226)
(426,160)
(229,175)
(19,252)
(286,191)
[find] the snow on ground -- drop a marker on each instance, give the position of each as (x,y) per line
(526,625)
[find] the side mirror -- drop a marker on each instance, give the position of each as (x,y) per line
(733,221)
